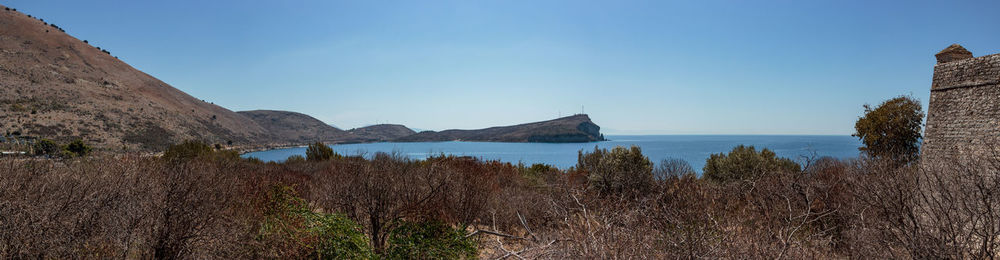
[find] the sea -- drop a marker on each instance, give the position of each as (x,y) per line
(694,149)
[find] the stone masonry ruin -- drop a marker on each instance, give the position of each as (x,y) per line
(963,117)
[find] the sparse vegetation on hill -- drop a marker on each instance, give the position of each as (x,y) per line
(297,128)
(60,88)
(382,132)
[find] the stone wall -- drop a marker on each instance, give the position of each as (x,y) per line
(963,118)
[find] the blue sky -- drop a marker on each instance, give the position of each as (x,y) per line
(638,67)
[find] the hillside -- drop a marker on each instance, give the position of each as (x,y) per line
(382,132)
(572,129)
(53,85)
(292,127)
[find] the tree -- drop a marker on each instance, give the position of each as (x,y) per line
(891,130)
(619,170)
(745,163)
(319,152)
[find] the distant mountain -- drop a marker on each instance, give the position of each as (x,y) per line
(382,132)
(292,127)
(418,129)
(572,129)
(53,85)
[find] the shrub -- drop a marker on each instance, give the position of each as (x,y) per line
(78,148)
(745,163)
(46,147)
(319,152)
(891,130)
(338,237)
(291,230)
(619,170)
(429,240)
(673,167)
(295,159)
(536,173)
(187,150)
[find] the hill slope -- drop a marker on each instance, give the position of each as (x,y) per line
(53,85)
(571,129)
(292,127)
(382,132)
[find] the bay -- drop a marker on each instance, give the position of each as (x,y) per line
(694,149)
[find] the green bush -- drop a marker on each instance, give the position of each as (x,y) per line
(745,163)
(291,230)
(46,147)
(319,152)
(536,173)
(295,159)
(429,240)
(78,148)
(619,170)
(891,130)
(187,150)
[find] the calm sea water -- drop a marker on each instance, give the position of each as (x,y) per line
(692,148)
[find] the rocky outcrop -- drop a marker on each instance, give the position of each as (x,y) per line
(572,129)
(381,132)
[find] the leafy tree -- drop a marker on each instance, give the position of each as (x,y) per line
(46,147)
(319,152)
(745,163)
(619,170)
(891,130)
(78,148)
(430,240)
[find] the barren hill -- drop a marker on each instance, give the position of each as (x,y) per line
(572,129)
(382,132)
(292,127)
(53,85)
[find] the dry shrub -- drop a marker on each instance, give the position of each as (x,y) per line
(215,206)
(947,208)
(126,207)
(381,192)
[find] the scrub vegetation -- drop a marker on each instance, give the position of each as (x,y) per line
(197,201)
